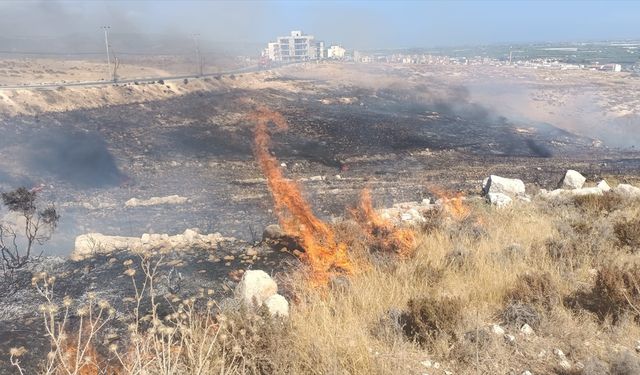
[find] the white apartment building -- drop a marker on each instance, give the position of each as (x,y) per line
(336,52)
(295,47)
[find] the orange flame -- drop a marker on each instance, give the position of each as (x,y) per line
(386,235)
(322,253)
(452,203)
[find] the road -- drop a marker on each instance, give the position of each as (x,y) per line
(50,86)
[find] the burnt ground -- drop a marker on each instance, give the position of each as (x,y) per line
(90,162)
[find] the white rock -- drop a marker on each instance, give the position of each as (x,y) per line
(508,186)
(277,305)
(524,198)
(90,244)
(526,329)
(256,285)
(627,190)
(190,235)
(604,186)
(251,252)
(497,330)
(427,363)
(565,364)
(499,200)
(564,193)
(87,245)
(527,372)
(154,201)
(573,180)
(510,338)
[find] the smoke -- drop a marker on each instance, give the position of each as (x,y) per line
(580,109)
(80,158)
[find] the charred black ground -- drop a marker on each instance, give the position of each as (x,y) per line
(395,139)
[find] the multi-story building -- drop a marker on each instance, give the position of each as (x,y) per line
(296,47)
(336,52)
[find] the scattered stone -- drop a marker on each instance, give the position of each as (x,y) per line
(277,305)
(497,330)
(627,190)
(508,186)
(499,200)
(154,201)
(526,329)
(427,363)
(572,180)
(256,284)
(257,288)
(272,232)
(509,338)
(564,193)
(252,252)
(90,244)
(604,186)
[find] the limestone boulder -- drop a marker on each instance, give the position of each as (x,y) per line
(499,200)
(502,185)
(572,180)
(627,190)
(256,287)
(277,305)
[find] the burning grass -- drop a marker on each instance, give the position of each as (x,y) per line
(383,235)
(321,251)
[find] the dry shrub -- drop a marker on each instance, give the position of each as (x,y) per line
(537,290)
(616,291)
(429,274)
(434,220)
(252,339)
(594,366)
(628,233)
(595,204)
(625,364)
(517,314)
(428,318)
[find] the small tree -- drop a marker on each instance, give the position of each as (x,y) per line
(37,227)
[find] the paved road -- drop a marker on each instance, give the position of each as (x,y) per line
(50,86)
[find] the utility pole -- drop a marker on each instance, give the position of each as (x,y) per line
(106,43)
(198,56)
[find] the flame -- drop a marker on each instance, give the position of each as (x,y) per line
(385,234)
(452,203)
(322,253)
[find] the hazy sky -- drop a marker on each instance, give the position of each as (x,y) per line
(355,24)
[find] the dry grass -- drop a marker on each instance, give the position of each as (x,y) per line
(554,267)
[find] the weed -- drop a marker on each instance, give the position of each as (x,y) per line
(427,318)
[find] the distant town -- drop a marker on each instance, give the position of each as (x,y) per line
(603,56)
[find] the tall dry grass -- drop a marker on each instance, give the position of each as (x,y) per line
(561,267)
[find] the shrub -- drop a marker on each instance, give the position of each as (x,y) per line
(39,225)
(598,203)
(428,317)
(535,289)
(517,314)
(628,233)
(625,364)
(617,291)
